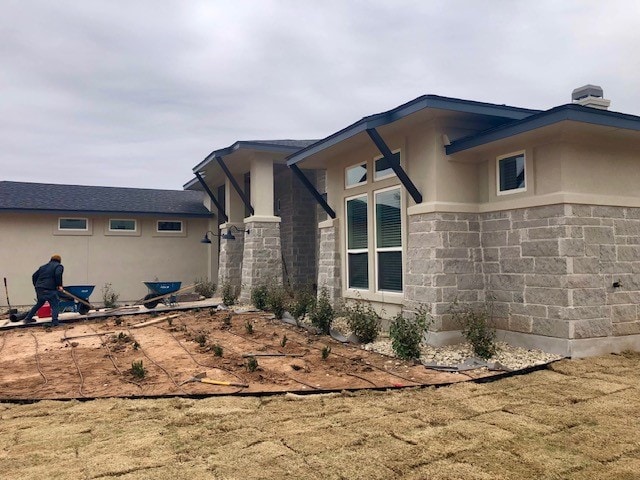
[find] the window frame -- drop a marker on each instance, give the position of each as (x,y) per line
(515,154)
(85,229)
(377,249)
(158,222)
(356,250)
(355,165)
(123,230)
(377,178)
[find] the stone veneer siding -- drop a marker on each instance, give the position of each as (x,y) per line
(262,258)
(230,261)
(550,269)
(329,261)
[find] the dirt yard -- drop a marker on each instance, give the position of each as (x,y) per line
(576,420)
(95,358)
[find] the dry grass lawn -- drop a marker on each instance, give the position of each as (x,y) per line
(577,420)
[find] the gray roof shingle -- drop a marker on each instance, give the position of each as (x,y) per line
(45,197)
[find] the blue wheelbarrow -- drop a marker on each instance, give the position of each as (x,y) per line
(74,301)
(161,292)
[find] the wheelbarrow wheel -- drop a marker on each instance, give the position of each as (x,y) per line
(153,303)
(83,309)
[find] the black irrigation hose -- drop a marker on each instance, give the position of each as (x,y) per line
(157,364)
(202,364)
(46,381)
(75,361)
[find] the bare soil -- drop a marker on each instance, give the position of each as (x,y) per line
(95,358)
(576,420)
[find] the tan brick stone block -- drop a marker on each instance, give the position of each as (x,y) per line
(624,313)
(547,296)
(625,328)
(550,327)
(588,296)
(592,328)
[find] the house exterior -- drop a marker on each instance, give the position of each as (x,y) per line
(272,216)
(121,236)
(442,199)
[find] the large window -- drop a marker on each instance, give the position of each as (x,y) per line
(511,174)
(78,224)
(388,224)
(357,243)
(385,259)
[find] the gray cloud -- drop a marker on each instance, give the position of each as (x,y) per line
(136,93)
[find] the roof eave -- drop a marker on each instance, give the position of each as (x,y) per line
(257,146)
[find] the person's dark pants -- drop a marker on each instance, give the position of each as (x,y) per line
(43,296)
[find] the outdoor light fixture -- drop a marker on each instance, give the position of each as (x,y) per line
(226,236)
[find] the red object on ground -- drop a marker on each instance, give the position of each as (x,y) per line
(44,311)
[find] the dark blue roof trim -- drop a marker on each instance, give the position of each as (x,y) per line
(570,112)
(166,215)
(275,146)
(44,197)
(426,101)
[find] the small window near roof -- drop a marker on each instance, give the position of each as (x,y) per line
(383,168)
(120,225)
(169,226)
(511,174)
(72,224)
(356,175)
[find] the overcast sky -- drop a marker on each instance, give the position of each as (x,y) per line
(134,93)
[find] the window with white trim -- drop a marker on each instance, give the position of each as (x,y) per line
(383,168)
(388,240)
(357,243)
(169,226)
(122,225)
(355,175)
(511,173)
(77,224)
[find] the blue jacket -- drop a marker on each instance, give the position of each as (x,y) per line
(48,276)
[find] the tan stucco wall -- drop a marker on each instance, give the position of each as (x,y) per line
(98,257)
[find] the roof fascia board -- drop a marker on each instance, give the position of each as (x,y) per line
(563,113)
(420,103)
(260,147)
(103,212)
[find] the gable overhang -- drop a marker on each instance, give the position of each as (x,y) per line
(565,115)
(133,213)
(418,110)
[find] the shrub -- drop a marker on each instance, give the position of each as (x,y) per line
(276,300)
(137,369)
(204,287)
(259,296)
(302,303)
(477,327)
(407,334)
(201,339)
(229,294)
(322,313)
(248,326)
(217,350)
(326,350)
(109,297)
(363,320)
(251,364)
(283,342)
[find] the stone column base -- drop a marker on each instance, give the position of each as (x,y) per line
(262,257)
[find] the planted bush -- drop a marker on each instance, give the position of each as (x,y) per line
(229,294)
(259,296)
(407,334)
(109,296)
(476,325)
(302,303)
(204,287)
(322,314)
(137,369)
(276,300)
(363,320)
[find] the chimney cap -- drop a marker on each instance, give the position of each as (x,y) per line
(587,91)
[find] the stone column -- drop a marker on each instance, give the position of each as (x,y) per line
(329,260)
(231,251)
(262,257)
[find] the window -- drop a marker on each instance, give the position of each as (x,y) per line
(357,243)
(356,175)
(119,225)
(73,224)
(511,174)
(388,224)
(383,168)
(169,226)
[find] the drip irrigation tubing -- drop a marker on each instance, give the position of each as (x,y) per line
(75,361)
(37,356)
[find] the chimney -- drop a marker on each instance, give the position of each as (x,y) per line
(590,96)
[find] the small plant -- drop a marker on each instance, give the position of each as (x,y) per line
(476,326)
(109,297)
(283,342)
(259,296)
(201,339)
(137,369)
(407,334)
(170,321)
(226,321)
(136,345)
(276,300)
(118,321)
(248,326)
(251,364)
(363,320)
(204,287)
(303,302)
(229,294)
(322,313)
(326,350)
(217,350)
